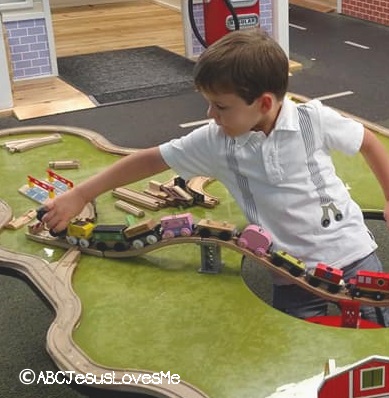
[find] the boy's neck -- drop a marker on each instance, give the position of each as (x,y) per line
(269,121)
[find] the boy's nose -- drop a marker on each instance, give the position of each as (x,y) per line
(211,113)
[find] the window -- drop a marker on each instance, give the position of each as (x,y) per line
(372,378)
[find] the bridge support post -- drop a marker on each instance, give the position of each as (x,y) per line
(210,258)
(350,313)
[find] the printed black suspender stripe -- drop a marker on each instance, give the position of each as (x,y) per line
(250,207)
(326,202)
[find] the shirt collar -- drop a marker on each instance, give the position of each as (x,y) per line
(287,120)
(288,117)
(242,139)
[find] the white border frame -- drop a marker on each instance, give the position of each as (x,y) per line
(8,5)
(6,100)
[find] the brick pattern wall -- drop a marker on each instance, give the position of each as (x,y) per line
(265,21)
(28,43)
(370,10)
(198,14)
(266,16)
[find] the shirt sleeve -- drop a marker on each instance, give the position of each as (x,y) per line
(191,155)
(338,132)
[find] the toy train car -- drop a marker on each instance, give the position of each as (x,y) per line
(142,234)
(295,266)
(80,233)
(323,274)
(255,239)
(369,284)
(117,237)
(206,228)
(177,225)
(107,237)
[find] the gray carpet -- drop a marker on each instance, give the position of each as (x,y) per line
(335,67)
(112,77)
(139,124)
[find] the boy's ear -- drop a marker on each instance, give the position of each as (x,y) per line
(265,102)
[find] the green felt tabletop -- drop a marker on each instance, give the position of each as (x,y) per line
(156,312)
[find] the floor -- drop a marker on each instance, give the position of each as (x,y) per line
(316,5)
(87,29)
(347,72)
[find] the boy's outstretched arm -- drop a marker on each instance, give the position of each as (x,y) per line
(141,164)
(377,158)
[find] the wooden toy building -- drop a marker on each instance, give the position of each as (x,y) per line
(367,378)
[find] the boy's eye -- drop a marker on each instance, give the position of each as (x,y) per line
(221,107)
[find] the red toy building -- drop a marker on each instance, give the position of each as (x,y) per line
(370,10)
(364,379)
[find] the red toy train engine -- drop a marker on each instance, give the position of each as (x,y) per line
(369,284)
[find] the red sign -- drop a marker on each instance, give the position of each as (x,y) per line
(218,20)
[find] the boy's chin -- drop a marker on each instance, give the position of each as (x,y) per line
(234,134)
(231,133)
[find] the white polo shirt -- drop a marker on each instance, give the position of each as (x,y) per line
(286,181)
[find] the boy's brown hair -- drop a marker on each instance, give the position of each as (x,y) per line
(244,62)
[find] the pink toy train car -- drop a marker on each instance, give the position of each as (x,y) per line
(177,225)
(255,239)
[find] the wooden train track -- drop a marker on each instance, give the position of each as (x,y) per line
(5,214)
(264,261)
(198,185)
(195,187)
(55,283)
(30,143)
(138,198)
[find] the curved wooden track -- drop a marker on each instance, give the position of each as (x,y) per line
(55,283)
(264,261)
(5,214)
(96,139)
(198,185)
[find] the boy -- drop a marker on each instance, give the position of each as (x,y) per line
(274,158)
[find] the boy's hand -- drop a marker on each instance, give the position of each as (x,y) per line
(62,209)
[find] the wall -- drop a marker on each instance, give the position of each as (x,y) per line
(370,10)
(31,41)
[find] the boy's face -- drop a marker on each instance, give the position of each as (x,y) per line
(233,114)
